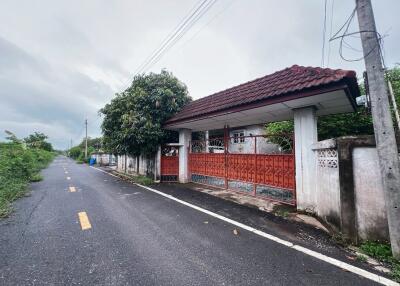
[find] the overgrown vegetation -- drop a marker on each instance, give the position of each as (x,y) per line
(332,126)
(143,180)
(78,152)
(138,179)
(382,252)
(20,163)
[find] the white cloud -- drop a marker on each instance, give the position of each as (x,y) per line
(63,60)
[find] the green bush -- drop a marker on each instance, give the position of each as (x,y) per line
(75,152)
(36,178)
(19,166)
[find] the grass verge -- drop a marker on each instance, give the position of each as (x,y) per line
(19,166)
(139,179)
(382,252)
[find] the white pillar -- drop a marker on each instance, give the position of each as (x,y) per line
(207,142)
(305,130)
(157,165)
(184,140)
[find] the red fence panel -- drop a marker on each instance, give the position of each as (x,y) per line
(276,170)
(268,172)
(169,164)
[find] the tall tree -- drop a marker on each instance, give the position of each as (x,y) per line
(38,140)
(133,120)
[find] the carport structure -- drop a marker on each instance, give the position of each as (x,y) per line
(299,93)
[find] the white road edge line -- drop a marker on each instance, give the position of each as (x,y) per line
(320,256)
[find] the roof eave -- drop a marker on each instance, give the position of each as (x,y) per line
(349,85)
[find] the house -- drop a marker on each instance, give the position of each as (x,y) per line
(222,143)
(325,178)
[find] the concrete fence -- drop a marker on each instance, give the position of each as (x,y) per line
(140,165)
(348,188)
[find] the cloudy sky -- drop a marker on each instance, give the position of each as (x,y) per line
(61,61)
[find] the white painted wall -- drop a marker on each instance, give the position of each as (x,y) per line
(369,196)
(103,158)
(247,147)
(371,220)
(327,182)
(147,165)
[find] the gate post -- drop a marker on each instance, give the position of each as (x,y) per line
(184,139)
(305,134)
(157,165)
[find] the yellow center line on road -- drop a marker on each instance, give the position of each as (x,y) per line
(72,189)
(84,220)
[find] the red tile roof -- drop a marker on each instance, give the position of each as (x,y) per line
(284,82)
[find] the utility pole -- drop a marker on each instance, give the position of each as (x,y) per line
(383,125)
(86,140)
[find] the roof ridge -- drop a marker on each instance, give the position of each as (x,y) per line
(284,81)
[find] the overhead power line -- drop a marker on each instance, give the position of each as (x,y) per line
(216,15)
(342,35)
(181,34)
(199,9)
(172,34)
(330,33)
(323,36)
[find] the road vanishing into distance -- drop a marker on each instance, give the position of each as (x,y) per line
(80,226)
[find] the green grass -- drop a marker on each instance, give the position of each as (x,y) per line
(382,252)
(143,180)
(138,179)
(36,178)
(19,166)
(361,258)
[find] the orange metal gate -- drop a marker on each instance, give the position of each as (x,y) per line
(262,166)
(169,164)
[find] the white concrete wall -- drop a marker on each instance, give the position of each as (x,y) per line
(370,211)
(247,147)
(147,165)
(327,183)
(104,159)
(131,164)
(369,196)
(121,163)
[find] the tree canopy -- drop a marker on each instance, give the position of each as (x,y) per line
(133,119)
(38,140)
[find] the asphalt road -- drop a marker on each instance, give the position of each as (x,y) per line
(137,237)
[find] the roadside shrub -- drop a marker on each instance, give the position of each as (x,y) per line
(36,178)
(143,180)
(19,166)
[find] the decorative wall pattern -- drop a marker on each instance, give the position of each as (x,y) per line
(327,158)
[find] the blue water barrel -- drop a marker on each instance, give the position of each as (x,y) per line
(92,161)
